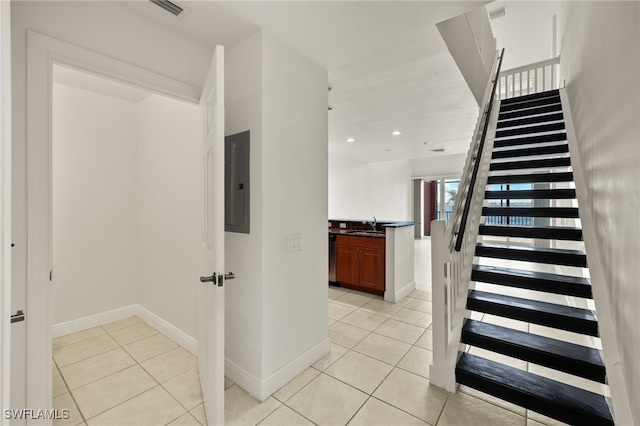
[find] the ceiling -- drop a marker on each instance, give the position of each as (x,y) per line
(525,31)
(389,68)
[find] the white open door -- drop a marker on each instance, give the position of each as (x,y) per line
(211,292)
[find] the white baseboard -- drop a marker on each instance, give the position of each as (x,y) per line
(262,389)
(166,328)
(64,328)
(243,378)
(399,294)
(171,331)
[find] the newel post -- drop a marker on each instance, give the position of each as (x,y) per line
(442,370)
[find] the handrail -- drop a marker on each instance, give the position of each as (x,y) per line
(477,158)
(451,269)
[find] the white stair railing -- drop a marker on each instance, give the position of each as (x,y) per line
(528,79)
(453,248)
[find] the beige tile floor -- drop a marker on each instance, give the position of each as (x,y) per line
(377,373)
(125,372)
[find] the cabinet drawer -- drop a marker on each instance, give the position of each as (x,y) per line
(370,242)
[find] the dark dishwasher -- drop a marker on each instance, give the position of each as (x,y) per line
(332,259)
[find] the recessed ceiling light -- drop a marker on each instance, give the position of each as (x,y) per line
(396,133)
(351,140)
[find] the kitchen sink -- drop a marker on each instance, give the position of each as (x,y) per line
(367,233)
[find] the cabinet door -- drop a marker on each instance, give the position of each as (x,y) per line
(347,264)
(372,268)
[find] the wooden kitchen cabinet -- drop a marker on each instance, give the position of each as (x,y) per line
(360,263)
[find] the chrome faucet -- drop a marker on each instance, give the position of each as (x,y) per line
(373,224)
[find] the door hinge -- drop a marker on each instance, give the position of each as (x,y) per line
(50,275)
(17,317)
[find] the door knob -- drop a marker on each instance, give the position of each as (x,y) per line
(218,278)
(211,279)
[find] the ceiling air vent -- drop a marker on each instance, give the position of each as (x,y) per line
(437,150)
(172,8)
(498,13)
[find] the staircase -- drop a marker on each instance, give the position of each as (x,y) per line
(530,161)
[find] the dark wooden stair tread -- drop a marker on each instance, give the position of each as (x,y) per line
(535,110)
(531,178)
(530,130)
(531,119)
(527,151)
(528,194)
(540,394)
(554,256)
(529,139)
(563,317)
(532,280)
(563,356)
(566,212)
(527,103)
(531,164)
(524,98)
(565,233)
(531,135)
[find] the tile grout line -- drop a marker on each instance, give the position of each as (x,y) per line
(110,408)
(151,375)
(369,395)
(396,366)
(120,346)
(73,398)
(108,334)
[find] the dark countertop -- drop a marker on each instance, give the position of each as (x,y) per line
(400,224)
(380,223)
(357,233)
(362,228)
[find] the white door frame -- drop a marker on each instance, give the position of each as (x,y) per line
(43,52)
(5,206)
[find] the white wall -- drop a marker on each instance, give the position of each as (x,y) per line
(168,209)
(243,252)
(445,166)
(525,32)
(103,27)
(294,149)
(125,206)
(359,190)
(94,203)
(276,310)
(471,43)
(600,61)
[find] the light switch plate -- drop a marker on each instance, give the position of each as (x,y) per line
(294,242)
